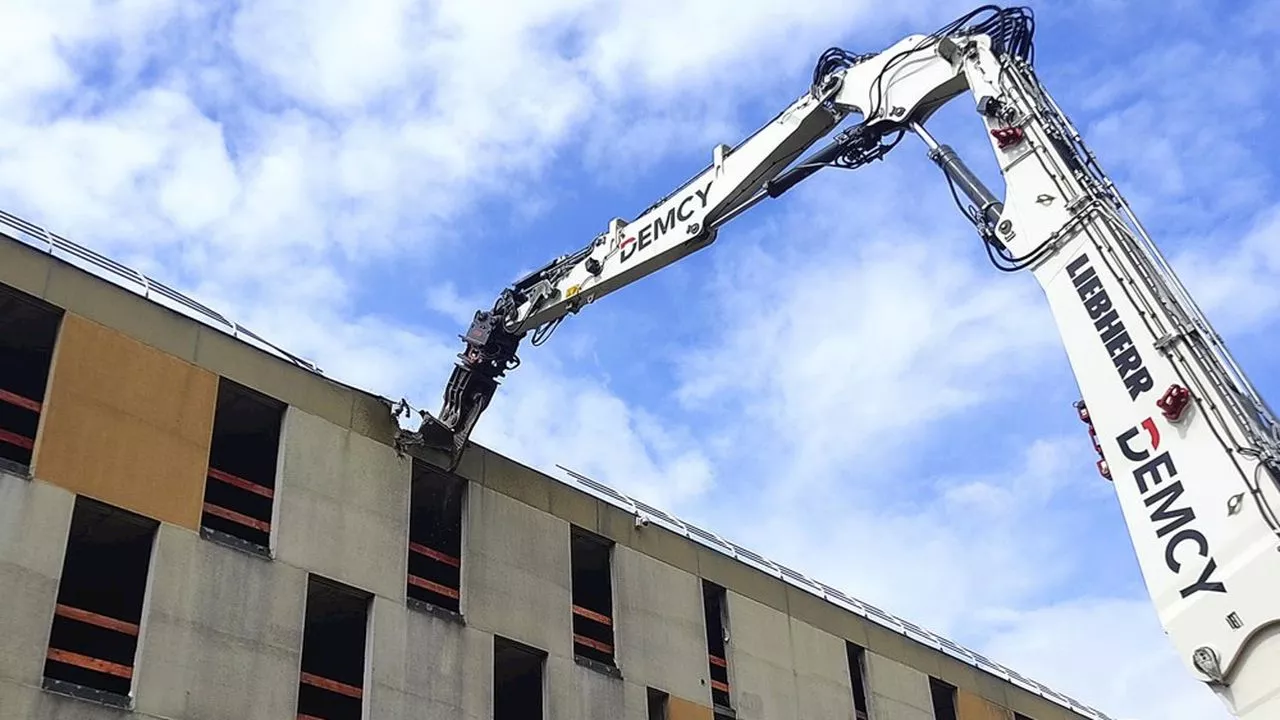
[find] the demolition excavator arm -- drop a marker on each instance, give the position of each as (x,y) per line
(1190,447)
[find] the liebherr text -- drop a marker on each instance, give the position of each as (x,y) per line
(1106,321)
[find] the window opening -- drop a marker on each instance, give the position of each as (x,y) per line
(435,537)
(517,680)
(713,606)
(857,673)
(659,703)
(944,699)
(592,596)
(239,493)
(1020,716)
(94,638)
(331,684)
(28,332)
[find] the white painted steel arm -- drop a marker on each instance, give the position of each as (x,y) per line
(1188,444)
(1191,448)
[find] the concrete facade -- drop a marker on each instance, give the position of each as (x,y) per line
(222,630)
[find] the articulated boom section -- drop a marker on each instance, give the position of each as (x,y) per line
(1189,445)
(1191,448)
(680,224)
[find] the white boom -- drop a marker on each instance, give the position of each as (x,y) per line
(1189,445)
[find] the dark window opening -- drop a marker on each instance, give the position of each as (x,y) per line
(28,332)
(94,637)
(331,685)
(1020,716)
(240,489)
(659,703)
(592,596)
(517,680)
(435,537)
(857,673)
(944,699)
(713,606)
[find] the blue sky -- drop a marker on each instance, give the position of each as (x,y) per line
(841,382)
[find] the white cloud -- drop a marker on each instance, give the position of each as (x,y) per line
(1109,652)
(283,157)
(337,53)
(1234,283)
(1176,169)
(851,327)
(149,165)
(44,38)
(545,417)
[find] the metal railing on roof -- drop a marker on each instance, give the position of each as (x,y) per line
(828,593)
(28,233)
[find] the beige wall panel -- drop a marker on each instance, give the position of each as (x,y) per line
(126,424)
(681,709)
(972,707)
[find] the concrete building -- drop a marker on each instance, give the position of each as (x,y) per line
(195,525)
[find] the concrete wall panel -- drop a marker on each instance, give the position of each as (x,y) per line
(34,519)
(24,268)
(126,424)
(972,707)
(741,578)
(580,693)
(266,373)
(477,676)
(761,677)
(344,505)
(654,541)
(635,699)
(659,625)
(425,667)
(820,613)
(222,633)
(517,578)
(514,480)
(898,692)
(822,673)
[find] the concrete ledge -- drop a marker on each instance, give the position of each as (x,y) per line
(742,579)
(147,322)
(23,268)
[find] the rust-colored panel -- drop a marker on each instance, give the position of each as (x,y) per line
(126,424)
(972,707)
(680,709)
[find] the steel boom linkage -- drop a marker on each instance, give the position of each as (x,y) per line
(1191,448)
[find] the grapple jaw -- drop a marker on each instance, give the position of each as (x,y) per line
(489,353)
